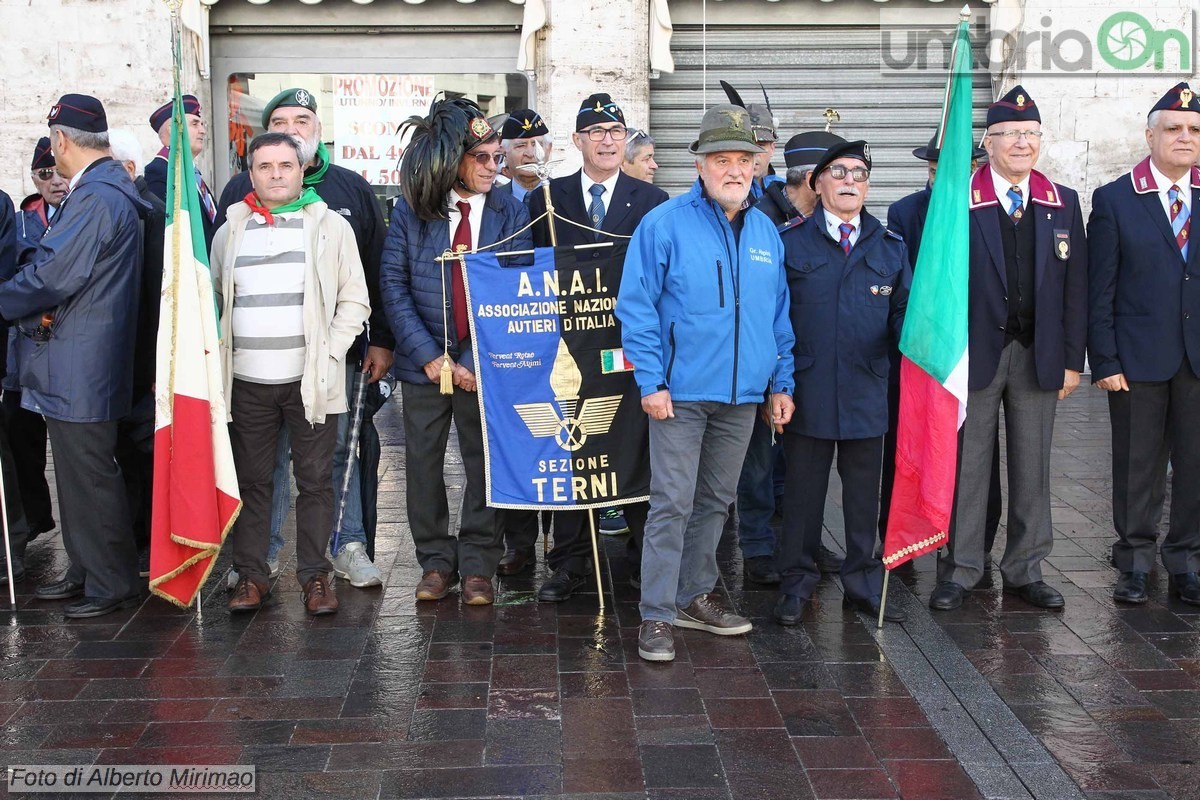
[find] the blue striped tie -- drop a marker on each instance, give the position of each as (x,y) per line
(1014,210)
(596,209)
(1181,218)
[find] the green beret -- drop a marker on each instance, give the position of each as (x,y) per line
(298,98)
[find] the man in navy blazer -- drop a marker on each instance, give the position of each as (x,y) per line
(1027,320)
(598,196)
(1145,347)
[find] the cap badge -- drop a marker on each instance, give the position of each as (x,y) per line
(736,120)
(867,150)
(1020,102)
(54,109)
(599,109)
(526,125)
(1185,97)
(302,97)
(480,128)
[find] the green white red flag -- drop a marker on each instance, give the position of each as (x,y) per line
(933,369)
(196,496)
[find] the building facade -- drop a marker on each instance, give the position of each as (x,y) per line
(372,63)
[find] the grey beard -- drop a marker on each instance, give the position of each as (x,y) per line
(308,150)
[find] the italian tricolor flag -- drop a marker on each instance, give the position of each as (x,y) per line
(196,495)
(933,370)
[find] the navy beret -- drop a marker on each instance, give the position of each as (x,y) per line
(1016,106)
(79,111)
(162,114)
(597,109)
(43,156)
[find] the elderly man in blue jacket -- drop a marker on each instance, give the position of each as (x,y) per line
(704,313)
(75,305)
(447,204)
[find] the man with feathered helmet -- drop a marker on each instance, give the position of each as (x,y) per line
(445,206)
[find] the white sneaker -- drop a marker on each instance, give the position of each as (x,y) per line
(232,579)
(355,565)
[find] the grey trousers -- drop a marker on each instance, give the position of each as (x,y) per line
(695,461)
(95,513)
(479,545)
(1029,424)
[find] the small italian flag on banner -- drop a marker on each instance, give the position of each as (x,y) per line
(614,361)
(933,370)
(196,495)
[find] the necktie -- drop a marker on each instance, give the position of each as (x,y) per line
(462,244)
(596,209)
(206,198)
(845,229)
(1014,210)
(1181,220)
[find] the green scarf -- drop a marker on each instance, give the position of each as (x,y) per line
(314,177)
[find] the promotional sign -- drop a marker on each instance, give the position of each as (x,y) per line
(562,418)
(367,111)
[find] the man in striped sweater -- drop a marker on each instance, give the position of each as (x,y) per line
(293,298)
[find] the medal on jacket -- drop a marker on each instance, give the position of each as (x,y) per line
(1062,244)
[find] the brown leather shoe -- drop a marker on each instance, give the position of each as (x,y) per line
(478,591)
(247,595)
(515,561)
(319,597)
(436,584)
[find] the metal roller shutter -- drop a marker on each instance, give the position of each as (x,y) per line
(805,69)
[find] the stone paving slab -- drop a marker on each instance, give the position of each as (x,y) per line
(394,698)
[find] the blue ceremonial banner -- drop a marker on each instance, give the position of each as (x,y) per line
(563,425)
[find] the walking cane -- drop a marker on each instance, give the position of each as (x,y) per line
(8,554)
(356,417)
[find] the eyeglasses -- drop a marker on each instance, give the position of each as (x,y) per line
(860,174)
(598,134)
(1014,135)
(46,174)
(484,159)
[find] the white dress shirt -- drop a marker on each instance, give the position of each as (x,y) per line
(832,221)
(608,185)
(1164,186)
(476,202)
(1003,185)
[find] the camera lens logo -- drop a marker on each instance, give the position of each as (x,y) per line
(1127,41)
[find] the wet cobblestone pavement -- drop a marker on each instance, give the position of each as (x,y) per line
(393,698)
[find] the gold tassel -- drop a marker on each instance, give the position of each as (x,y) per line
(447,384)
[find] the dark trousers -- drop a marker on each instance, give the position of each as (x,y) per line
(257,410)
(521,527)
(572,549)
(27,438)
(135,454)
(427,416)
(1150,422)
(995,504)
(18,530)
(95,516)
(859,462)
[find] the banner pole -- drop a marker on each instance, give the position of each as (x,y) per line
(8,553)
(887,573)
(591,515)
(199,608)
(550,213)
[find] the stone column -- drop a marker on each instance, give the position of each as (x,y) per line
(591,46)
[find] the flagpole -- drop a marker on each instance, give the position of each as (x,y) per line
(591,515)
(887,573)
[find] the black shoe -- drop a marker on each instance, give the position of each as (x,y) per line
(947,596)
(1131,588)
(516,561)
(560,586)
(1038,593)
(870,606)
(829,562)
(18,567)
(98,606)
(1186,586)
(789,609)
(36,530)
(760,569)
(144,563)
(63,589)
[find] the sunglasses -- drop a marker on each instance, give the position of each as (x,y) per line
(46,174)
(860,174)
(484,159)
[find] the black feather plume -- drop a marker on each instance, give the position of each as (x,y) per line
(733,95)
(766,99)
(430,165)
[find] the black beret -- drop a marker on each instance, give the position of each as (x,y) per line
(43,156)
(524,123)
(1016,106)
(79,111)
(807,148)
(857,149)
(162,114)
(1179,98)
(296,98)
(930,152)
(597,109)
